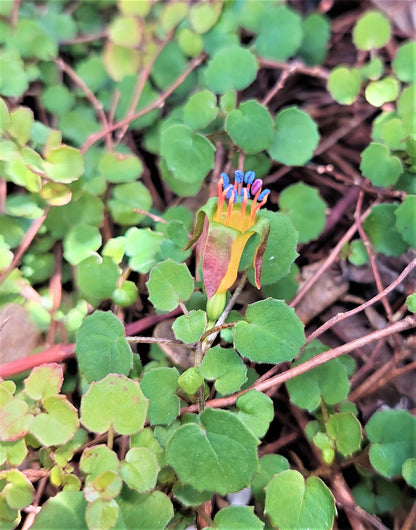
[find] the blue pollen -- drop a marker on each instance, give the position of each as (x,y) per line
(230,193)
(263,194)
(249,177)
(225,180)
(238,176)
(242,195)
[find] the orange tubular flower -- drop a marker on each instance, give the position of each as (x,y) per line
(233,217)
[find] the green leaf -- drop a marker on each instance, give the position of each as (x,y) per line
(120,61)
(406,108)
(377,495)
(305,208)
(81,242)
(344,84)
(92,71)
(169,283)
(345,429)
(269,465)
(159,385)
(172,14)
(188,156)
(64,164)
(120,167)
(379,92)
(329,380)
(143,248)
(316,32)
(409,471)
(101,347)
(154,510)
(85,209)
(280,250)
(105,486)
(250,127)
(237,517)
(97,278)
(411,302)
(404,64)
(21,121)
(31,41)
(4,116)
(380,228)
(225,367)
(377,164)
(125,31)
(231,67)
(189,496)
(392,436)
(14,80)
(139,469)
(190,380)
(13,452)
(358,254)
(126,294)
(169,65)
(127,197)
(120,402)
(293,503)
(58,99)
(203,16)
(272,333)
(295,139)
(67,507)
(18,492)
(97,459)
(58,424)
(102,514)
(44,381)
(279,33)
(405,220)
(218,455)
(371,31)
(286,288)
(189,328)
(191,43)
(200,110)
(15,419)
(256,411)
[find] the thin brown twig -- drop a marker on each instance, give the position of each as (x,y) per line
(159,102)
(98,106)
(342,316)
(328,262)
(403,325)
(24,245)
(370,252)
(141,81)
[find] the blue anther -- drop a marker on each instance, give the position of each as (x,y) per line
(256,186)
(263,194)
(244,194)
(249,177)
(238,176)
(230,192)
(225,180)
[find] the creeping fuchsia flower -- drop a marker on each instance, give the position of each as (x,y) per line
(233,217)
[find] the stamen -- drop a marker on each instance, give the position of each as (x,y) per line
(225,179)
(262,198)
(249,178)
(256,186)
(238,180)
(231,194)
(222,193)
(245,195)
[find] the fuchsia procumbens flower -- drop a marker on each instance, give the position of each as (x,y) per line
(233,217)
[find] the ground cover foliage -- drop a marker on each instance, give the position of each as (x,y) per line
(145,382)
